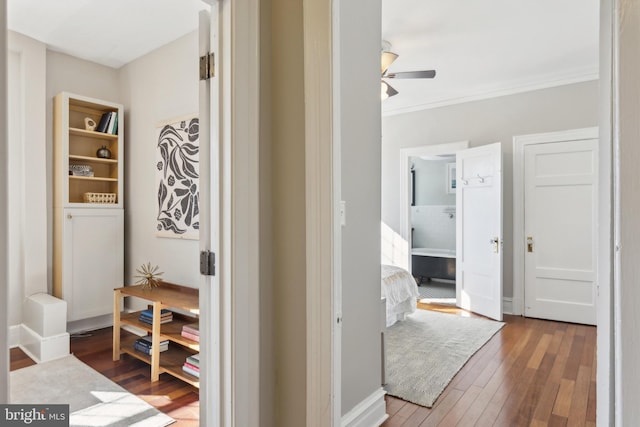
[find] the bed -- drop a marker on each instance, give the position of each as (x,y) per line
(401,292)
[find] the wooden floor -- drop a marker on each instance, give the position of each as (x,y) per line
(531,373)
(169,395)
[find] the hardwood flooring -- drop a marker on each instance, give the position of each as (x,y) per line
(169,395)
(531,373)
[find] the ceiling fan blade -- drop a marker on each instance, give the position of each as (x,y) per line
(425,74)
(386,90)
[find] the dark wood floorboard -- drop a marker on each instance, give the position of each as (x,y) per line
(531,373)
(169,395)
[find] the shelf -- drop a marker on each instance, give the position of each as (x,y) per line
(171,331)
(93,178)
(92,159)
(171,361)
(165,296)
(92,134)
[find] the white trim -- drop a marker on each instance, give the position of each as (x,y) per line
(90,324)
(370,412)
(405,184)
(14,336)
(42,349)
(502,89)
(605,381)
(519,143)
(507,306)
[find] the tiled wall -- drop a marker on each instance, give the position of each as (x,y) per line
(434,226)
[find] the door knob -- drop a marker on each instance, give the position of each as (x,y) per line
(529,244)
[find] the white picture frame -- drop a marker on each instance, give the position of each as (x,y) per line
(451,178)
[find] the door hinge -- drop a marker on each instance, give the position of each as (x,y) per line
(207,263)
(207,66)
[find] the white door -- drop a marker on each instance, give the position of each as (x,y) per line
(479,230)
(560,181)
(212,322)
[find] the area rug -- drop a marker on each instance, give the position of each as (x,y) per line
(425,351)
(93,399)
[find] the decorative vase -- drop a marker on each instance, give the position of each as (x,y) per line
(103,153)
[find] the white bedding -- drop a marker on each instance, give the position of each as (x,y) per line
(400,289)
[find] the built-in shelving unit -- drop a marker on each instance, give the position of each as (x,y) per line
(88,237)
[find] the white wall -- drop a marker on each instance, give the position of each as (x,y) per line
(431,182)
(157,87)
(28,173)
(483,122)
(360,140)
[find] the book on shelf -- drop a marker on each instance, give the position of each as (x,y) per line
(194,360)
(104,122)
(139,346)
(148,340)
(190,336)
(192,328)
(191,371)
(113,124)
(193,367)
(146,316)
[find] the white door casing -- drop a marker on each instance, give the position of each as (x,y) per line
(560,217)
(230,215)
(479,230)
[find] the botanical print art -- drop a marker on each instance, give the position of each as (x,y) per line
(177,179)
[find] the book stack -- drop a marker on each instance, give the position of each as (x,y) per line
(192,365)
(108,123)
(146,316)
(191,331)
(144,345)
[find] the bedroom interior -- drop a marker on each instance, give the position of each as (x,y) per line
(406,127)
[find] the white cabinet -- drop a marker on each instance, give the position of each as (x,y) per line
(92,261)
(88,234)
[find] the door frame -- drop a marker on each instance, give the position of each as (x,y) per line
(405,184)
(235,384)
(519,144)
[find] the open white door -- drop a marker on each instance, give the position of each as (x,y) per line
(479,230)
(211,320)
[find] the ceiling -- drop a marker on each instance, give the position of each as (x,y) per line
(488,48)
(109,32)
(480,49)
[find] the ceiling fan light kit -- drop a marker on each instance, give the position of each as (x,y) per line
(386,59)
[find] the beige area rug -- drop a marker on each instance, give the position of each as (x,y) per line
(93,399)
(425,351)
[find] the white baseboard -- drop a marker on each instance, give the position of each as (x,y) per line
(43,349)
(90,324)
(372,411)
(14,336)
(507,305)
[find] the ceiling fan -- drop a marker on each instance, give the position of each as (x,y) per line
(387,59)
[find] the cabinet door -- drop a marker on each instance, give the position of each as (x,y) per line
(93,260)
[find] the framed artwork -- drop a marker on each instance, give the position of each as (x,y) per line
(177,178)
(451,178)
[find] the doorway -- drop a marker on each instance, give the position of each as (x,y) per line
(555,219)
